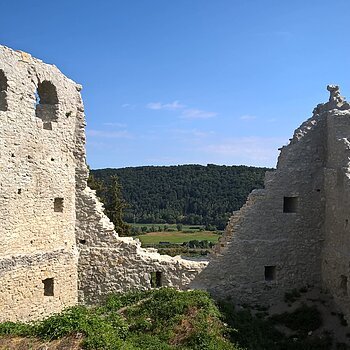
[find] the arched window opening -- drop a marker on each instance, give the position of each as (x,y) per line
(46,104)
(3,91)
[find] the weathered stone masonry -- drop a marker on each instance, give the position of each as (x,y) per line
(57,247)
(55,238)
(37,168)
(296,231)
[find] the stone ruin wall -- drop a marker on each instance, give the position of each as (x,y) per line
(58,247)
(276,243)
(262,234)
(293,233)
(37,165)
(336,248)
(109,263)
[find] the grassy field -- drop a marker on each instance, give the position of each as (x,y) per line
(192,228)
(178,237)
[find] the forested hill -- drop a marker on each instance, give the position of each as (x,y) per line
(188,194)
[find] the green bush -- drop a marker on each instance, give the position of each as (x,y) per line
(19,329)
(179,227)
(102,331)
(166,319)
(161,319)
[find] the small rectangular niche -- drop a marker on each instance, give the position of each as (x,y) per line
(156,279)
(58,205)
(344,285)
(270,273)
(48,287)
(47,125)
(290,204)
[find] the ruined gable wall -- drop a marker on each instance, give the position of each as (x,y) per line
(36,166)
(336,255)
(262,234)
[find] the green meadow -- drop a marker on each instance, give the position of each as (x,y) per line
(178,237)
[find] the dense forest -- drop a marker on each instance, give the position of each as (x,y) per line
(187,194)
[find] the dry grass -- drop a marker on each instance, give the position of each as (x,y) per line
(72,342)
(185,328)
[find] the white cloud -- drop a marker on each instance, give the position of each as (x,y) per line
(192,132)
(247,117)
(197,114)
(186,113)
(247,150)
(175,105)
(108,134)
(128,106)
(117,125)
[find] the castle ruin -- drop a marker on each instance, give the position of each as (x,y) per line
(58,248)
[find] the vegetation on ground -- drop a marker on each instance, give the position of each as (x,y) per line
(184,240)
(259,333)
(162,319)
(193,248)
(178,237)
(138,229)
(186,194)
(304,319)
(166,319)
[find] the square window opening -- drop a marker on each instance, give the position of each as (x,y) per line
(48,287)
(270,273)
(58,205)
(156,279)
(290,204)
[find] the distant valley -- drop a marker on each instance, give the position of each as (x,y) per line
(187,194)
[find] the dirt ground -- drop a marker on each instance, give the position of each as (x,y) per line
(16,343)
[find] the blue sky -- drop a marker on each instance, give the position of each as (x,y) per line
(189,81)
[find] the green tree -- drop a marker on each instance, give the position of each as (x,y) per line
(186,194)
(96,184)
(115,208)
(179,227)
